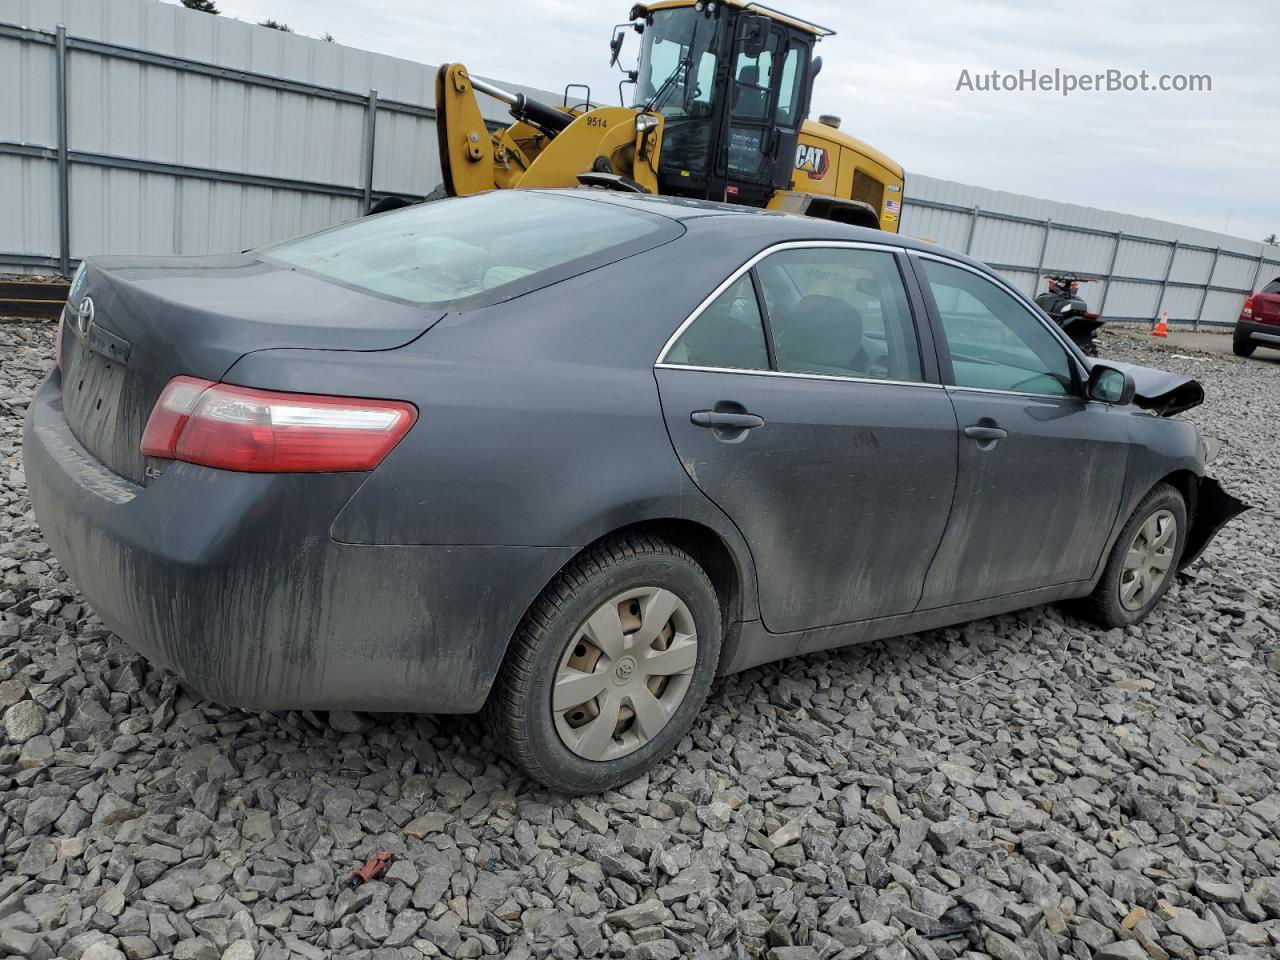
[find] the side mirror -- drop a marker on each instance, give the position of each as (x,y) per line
(754,33)
(1109,385)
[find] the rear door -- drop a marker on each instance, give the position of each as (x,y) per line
(799,400)
(1041,470)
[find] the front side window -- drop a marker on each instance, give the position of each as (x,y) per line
(995,342)
(840,312)
(506,241)
(729,333)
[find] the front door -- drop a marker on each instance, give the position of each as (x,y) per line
(1041,469)
(797,403)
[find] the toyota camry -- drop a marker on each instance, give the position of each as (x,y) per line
(564,457)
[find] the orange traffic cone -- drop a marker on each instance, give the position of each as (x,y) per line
(1162,328)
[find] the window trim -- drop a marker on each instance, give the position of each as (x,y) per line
(947,371)
(892,249)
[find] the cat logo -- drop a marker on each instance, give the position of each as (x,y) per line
(812,160)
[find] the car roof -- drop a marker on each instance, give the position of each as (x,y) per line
(776,225)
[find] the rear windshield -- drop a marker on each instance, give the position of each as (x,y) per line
(487,248)
(1273,286)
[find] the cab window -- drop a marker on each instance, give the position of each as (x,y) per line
(995,342)
(789,89)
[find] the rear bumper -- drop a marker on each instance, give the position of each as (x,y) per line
(1267,334)
(233,582)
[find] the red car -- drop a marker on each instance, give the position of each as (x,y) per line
(1259,323)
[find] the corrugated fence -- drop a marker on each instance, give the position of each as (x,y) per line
(132,126)
(1144,267)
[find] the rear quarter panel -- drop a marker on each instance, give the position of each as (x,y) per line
(539,420)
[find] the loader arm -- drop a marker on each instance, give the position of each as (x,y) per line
(544,147)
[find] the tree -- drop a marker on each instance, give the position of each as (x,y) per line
(1270,238)
(328,38)
(204,6)
(276,25)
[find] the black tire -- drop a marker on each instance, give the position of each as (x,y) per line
(1243,348)
(1104,605)
(518,712)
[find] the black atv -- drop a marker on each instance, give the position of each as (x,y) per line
(1069,311)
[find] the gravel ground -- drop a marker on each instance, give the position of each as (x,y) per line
(1019,787)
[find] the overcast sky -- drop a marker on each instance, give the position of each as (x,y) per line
(1207,159)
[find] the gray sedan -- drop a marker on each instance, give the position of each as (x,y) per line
(566,456)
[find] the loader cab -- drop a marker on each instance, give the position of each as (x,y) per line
(733,82)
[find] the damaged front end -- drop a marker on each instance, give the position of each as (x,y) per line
(1167,394)
(1215,508)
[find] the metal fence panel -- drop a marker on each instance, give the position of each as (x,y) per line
(28,226)
(947,228)
(26,77)
(1132,300)
(1082,252)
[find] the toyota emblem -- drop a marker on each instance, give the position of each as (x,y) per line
(84,316)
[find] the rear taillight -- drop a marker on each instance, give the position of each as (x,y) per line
(1246,312)
(261,431)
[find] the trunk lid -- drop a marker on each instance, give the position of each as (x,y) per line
(153,319)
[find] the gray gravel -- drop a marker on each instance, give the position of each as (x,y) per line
(1025,786)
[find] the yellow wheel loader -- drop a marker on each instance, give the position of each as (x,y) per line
(722,89)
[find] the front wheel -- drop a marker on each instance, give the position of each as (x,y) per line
(1142,561)
(609,668)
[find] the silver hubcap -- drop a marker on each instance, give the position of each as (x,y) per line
(624,673)
(1148,560)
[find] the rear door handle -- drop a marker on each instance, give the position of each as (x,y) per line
(977,432)
(731,421)
(986,434)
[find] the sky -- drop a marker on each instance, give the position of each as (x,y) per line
(1208,159)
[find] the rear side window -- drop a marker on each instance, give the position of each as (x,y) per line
(492,247)
(729,333)
(1273,286)
(840,312)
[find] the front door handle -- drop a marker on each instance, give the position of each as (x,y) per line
(730,421)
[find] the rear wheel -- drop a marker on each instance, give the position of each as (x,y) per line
(1142,561)
(609,668)
(1242,348)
